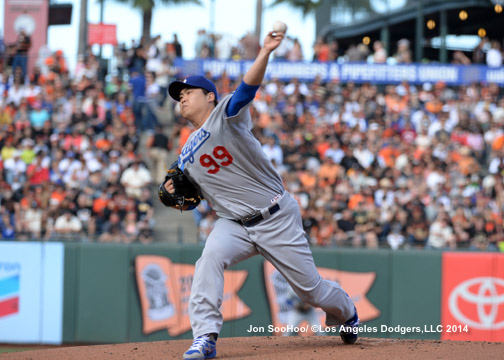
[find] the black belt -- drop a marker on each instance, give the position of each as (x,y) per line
(254,219)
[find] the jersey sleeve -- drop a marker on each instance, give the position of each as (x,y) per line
(242,96)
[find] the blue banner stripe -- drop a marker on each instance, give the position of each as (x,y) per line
(9,285)
(350,72)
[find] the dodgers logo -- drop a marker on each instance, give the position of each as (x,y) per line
(190,148)
(486,294)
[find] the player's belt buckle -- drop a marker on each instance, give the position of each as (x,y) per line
(254,219)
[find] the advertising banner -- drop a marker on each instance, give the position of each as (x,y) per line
(164,290)
(9,289)
(281,304)
(20,290)
(31,292)
(473,296)
(350,72)
(102,34)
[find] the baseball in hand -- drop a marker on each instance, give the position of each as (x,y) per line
(279,26)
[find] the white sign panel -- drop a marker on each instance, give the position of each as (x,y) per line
(31,288)
(52,293)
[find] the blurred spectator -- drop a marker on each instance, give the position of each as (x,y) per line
(250,45)
(14,168)
(37,172)
(29,222)
(15,93)
(2,47)
(22,46)
(177,46)
(202,47)
(121,55)
(138,61)
(163,76)
(324,230)
(152,93)
(334,50)
(335,153)
(135,178)
(86,68)
(235,54)
(417,229)
(7,229)
(84,212)
(379,53)
(479,234)
(38,116)
(112,235)
(145,233)
(145,208)
(154,55)
(296,52)
(273,151)
(158,145)
(494,54)
(479,56)
(345,231)
(441,234)
(131,228)
(497,163)
(395,238)
(321,50)
(403,55)
(67,226)
(459,58)
(328,172)
(138,86)
(282,52)
(357,53)
(349,161)
(461,227)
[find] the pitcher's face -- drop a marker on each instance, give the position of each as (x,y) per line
(194,101)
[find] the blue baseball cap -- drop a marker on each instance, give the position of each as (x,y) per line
(195,81)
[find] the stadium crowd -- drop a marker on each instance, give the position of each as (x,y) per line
(70,166)
(227,47)
(394,166)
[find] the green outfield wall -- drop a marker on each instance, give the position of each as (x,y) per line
(102,299)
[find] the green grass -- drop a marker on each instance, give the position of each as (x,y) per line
(16,349)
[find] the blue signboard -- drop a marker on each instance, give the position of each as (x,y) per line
(350,72)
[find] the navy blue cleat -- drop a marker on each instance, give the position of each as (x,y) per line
(349,331)
(203,347)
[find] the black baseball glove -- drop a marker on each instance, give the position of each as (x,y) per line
(186,195)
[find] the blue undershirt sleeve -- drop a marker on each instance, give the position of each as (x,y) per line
(243,94)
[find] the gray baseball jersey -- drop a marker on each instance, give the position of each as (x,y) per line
(227,163)
(236,182)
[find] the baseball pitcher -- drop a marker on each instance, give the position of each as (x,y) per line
(223,162)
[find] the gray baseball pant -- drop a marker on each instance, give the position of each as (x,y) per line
(280,239)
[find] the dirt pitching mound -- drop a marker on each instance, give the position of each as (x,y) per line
(278,347)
